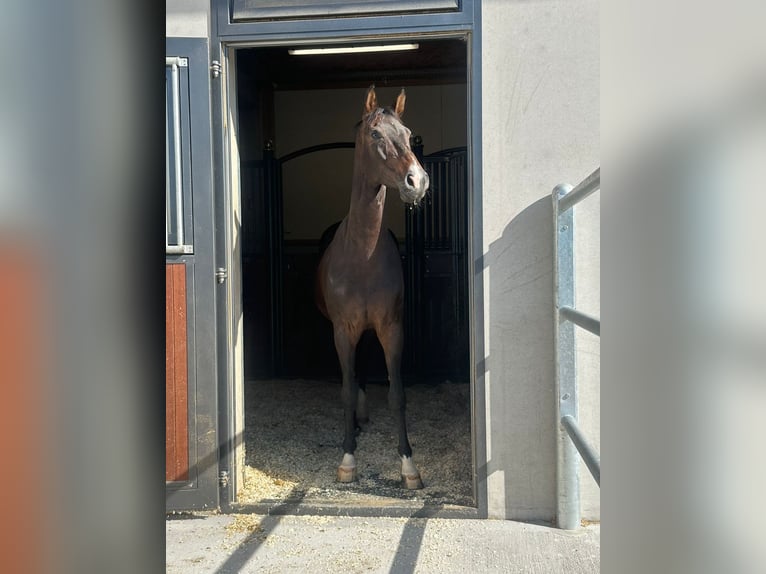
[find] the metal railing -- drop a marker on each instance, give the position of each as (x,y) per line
(570,440)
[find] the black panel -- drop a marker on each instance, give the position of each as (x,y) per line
(256,270)
(438,275)
(243,10)
(434,62)
(307,340)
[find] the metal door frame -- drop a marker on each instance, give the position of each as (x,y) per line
(201,490)
(228,37)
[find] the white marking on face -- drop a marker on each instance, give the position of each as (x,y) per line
(380,198)
(382,152)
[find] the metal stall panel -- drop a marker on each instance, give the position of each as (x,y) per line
(438,268)
(191,445)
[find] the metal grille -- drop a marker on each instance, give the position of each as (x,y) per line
(437,269)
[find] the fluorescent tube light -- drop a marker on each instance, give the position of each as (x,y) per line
(353,49)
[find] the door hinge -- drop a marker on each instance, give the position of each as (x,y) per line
(221,274)
(223,478)
(215,68)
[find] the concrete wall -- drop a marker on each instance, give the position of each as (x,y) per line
(540,126)
(187,18)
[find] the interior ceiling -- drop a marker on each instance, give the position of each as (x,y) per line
(434,62)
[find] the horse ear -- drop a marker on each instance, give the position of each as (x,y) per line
(371,102)
(399,105)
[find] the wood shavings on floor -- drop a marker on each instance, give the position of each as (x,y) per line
(294,432)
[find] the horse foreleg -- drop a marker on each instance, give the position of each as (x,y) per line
(363,359)
(346,349)
(392,342)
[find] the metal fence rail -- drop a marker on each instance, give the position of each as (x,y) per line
(570,440)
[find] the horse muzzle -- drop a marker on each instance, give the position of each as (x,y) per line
(415,184)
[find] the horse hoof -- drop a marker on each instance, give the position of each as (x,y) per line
(412,482)
(346,473)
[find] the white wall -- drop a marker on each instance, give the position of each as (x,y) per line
(187,18)
(540,127)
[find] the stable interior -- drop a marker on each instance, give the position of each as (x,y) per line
(293,414)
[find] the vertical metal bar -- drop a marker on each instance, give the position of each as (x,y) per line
(177,155)
(419,226)
(428,213)
(418,232)
(567,482)
(462,209)
(409,310)
(270,193)
(167,170)
(279,258)
(441,217)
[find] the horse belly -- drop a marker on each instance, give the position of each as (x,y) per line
(385,308)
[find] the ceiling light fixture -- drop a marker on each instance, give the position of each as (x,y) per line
(352,49)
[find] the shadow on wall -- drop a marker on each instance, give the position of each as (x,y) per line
(521,472)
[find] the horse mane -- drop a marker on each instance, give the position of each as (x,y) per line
(387,110)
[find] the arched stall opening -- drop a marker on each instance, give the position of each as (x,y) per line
(296,125)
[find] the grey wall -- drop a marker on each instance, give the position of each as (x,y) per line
(540,126)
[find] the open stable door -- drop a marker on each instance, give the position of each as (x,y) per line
(191,441)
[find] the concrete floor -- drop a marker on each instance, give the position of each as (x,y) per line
(210,543)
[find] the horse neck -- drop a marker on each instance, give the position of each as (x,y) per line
(365,214)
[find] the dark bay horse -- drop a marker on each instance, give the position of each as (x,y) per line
(359,279)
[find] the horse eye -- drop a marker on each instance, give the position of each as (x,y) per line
(376,135)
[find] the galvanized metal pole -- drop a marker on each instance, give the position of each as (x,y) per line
(167,171)
(177,153)
(583,190)
(567,464)
(581,319)
(586,450)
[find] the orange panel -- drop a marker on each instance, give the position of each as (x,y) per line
(23,404)
(176,375)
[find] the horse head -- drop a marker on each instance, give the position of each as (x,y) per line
(386,142)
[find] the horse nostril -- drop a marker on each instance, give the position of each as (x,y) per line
(410,180)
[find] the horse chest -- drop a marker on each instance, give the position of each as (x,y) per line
(359,282)
(361,288)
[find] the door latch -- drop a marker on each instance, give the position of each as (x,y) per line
(215,68)
(220,275)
